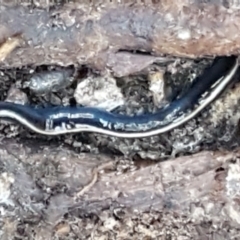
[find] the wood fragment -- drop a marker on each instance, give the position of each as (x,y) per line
(95,34)
(200,187)
(8,46)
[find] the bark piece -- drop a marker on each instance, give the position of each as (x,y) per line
(93,35)
(201,187)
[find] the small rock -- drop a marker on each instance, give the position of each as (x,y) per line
(157,87)
(101,92)
(62,229)
(50,81)
(6,180)
(15,95)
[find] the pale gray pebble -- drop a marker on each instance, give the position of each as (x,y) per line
(15,95)
(101,92)
(50,81)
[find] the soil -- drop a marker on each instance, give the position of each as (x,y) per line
(55,187)
(183,184)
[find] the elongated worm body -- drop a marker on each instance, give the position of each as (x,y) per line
(62,120)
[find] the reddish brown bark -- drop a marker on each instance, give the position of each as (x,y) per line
(201,187)
(82,34)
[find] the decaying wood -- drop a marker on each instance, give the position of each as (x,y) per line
(95,34)
(201,187)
